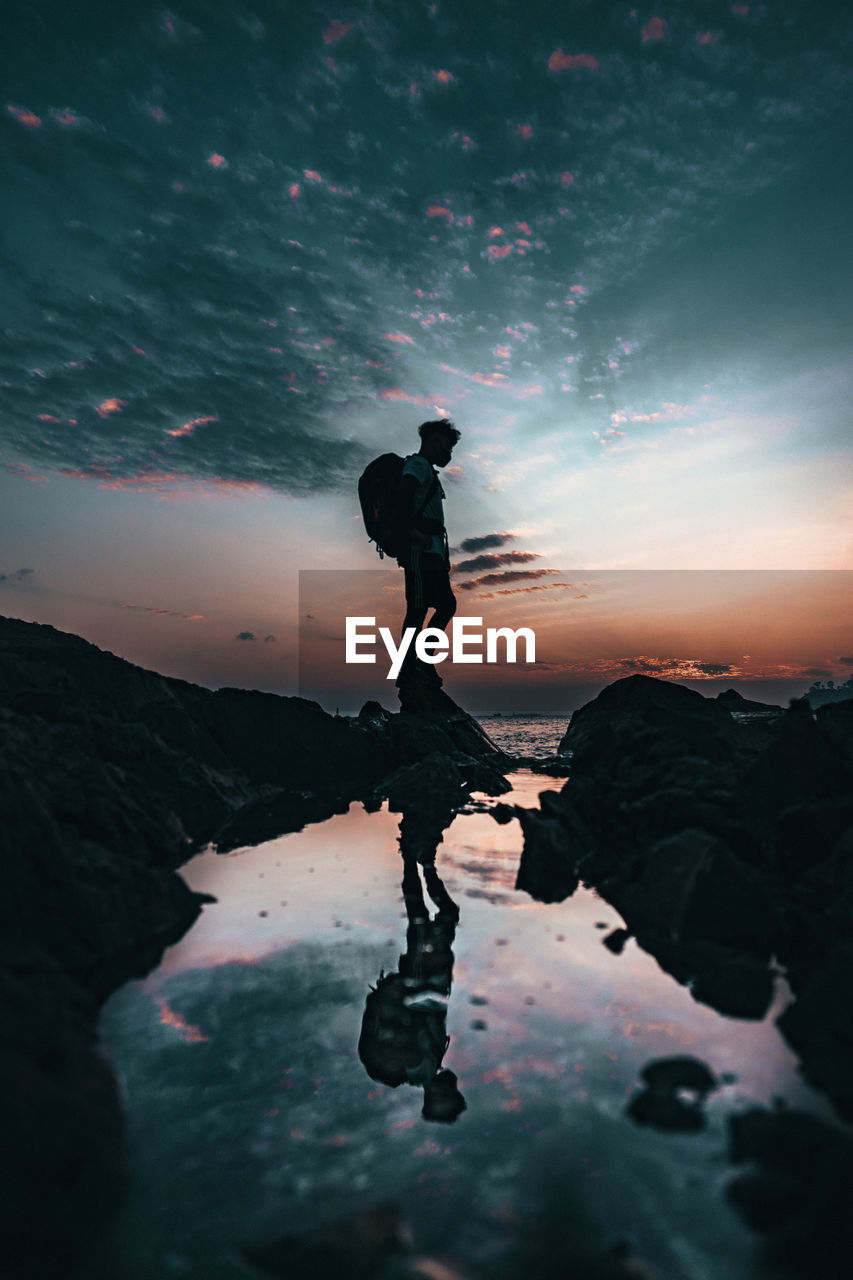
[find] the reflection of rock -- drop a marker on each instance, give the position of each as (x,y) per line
(355,1247)
(723,843)
(675,1091)
(796,1193)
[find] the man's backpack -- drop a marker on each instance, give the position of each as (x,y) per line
(379,495)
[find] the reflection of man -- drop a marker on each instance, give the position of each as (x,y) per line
(403,1031)
(427,560)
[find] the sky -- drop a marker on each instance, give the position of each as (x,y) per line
(247,248)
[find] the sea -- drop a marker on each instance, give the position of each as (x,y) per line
(279,1068)
(525,735)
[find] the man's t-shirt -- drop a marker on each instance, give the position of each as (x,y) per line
(417,465)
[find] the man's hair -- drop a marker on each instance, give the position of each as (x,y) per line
(442,426)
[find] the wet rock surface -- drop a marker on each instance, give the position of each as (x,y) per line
(794,1190)
(725,844)
(110,778)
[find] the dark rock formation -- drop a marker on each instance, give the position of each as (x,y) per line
(735,703)
(795,1191)
(725,844)
(110,778)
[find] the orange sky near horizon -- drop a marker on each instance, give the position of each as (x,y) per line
(711,629)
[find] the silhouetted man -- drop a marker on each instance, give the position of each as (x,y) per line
(427,561)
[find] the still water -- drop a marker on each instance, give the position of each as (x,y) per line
(252,1116)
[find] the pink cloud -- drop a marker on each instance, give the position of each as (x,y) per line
(167,484)
(706,37)
(169,1017)
(312,175)
(531,389)
(524,130)
(66,117)
(567,178)
(439,211)
(397,393)
(484,379)
(398,337)
(23,115)
(523,226)
(336,31)
(560,61)
(577,288)
(497,251)
(740,9)
(189,427)
(26,473)
(493,232)
(294,190)
(217,161)
(443,77)
(503,352)
(156,113)
(655,29)
(108,407)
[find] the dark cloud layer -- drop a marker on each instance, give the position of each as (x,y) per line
(499,579)
(494,561)
(234,238)
(21,575)
(487,540)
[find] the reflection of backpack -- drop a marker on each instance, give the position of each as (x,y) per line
(379,495)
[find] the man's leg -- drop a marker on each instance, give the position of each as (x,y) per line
(445,602)
(416,610)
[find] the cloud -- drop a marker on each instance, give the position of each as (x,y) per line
(336,30)
(848,661)
(498,579)
(543,586)
(678,668)
(19,575)
(138,274)
(560,61)
(269,639)
(494,561)
(485,541)
(655,29)
(245,635)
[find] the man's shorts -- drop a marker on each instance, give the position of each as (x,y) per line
(428,582)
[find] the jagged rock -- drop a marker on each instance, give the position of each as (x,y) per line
(547,870)
(796,1193)
(819,1024)
(63,1168)
(434,783)
(642,708)
(735,703)
(691,888)
(615,941)
(676,1089)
